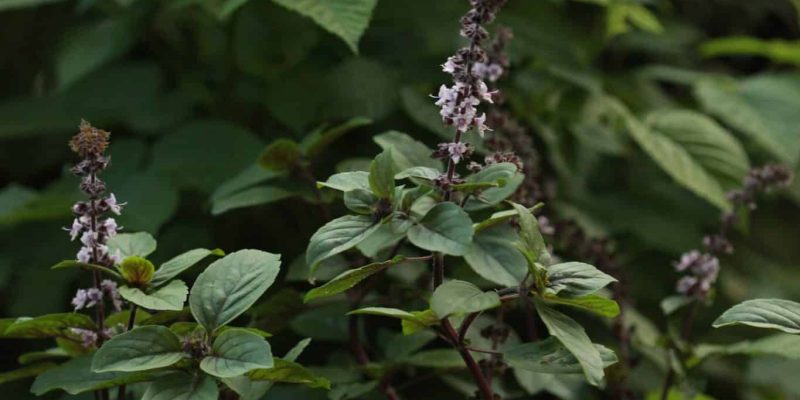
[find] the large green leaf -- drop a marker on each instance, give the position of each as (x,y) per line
(714,148)
(576,279)
(460,297)
(182,386)
(381,175)
(347,181)
(783,315)
(249,389)
(763,107)
(677,161)
(76,376)
(229,286)
(133,244)
(593,303)
(406,151)
(235,352)
(286,371)
(446,228)
(170,297)
(572,335)
(338,236)
(550,356)
(347,19)
(494,257)
(349,278)
(180,263)
(46,326)
(140,349)
(782,345)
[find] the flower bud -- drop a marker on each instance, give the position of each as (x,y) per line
(137,271)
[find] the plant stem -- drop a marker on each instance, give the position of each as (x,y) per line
(484,387)
(100,312)
(686,335)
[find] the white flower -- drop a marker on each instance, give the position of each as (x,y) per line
(449,66)
(113,205)
(116,257)
(484,93)
(457,151)
(89,238)
(480,124)
(85,254)
(76,229)
(110,226)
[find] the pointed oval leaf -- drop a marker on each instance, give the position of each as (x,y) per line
(46,326)
(235,352)
(593,303)
(381,175)
(347,19)
(460,297)
(142,348)
(229,286)
(347,181)
(783,315)
(132,244)
(182,386)
(180,263)
(574,338)
(170,297)
(337,236)
(446,228)
(289,372)
(576,279)
(494,257)
(75,376)
(349,278)
(551,357)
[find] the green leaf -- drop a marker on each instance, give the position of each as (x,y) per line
(170,297)
(783,315)
(229,286)
(446,228)
(381,175)
(13,4)
(712,146)
(25,372)
(574,338)
(460,297)
(249,197)
(504,175)
(777,50)
(78,264)
(180,263)
(236,352)
(551,357)
(142,348)
(347,181)
(281,155)
(91,46)
(137,271)
(504,216)
(426,173)
(349,278)
(683,166)
(762,107)
(182,386)
(532,239)
(132,244)
(36,356)
(347,19)
(316,142)
(75,376)
(576,279)
(412,321)
(494,257)
(338,236)
(286,371)
(782,345)
(593,303)
(407,152)
(360,201)
(46,326)
(244,180)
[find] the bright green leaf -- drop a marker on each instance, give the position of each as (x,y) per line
(171,296)
(576,279)
(446,228)
(132,244)
(338,236)
(783,315)
(574,338)
(180,263)
(551,357)
(349,278)
(460,297)
(142,348)
(236,352)
(182,386)
(347,19)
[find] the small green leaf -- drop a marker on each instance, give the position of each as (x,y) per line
(280,155)
(46,326)
(446,228)
(75,376)
(78,264)
(137,271)
(576,279)
(574,338)
(412,322)
(132,244)
(25,372)
(503,176)
(236,352)
(182,386)
(347,19)
(229,286)
(361,201)
(426,173)
(551,357)
(347,181)
(593,303)
(407,152)
(381,175)
(170,297)
(502,217)
(289,372)
(35,356)
(180,263)
(532,239)
(460,297)
(783,315)
(349,278)
(338,236)
(142,348)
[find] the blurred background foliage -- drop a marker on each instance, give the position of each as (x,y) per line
(643,112)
